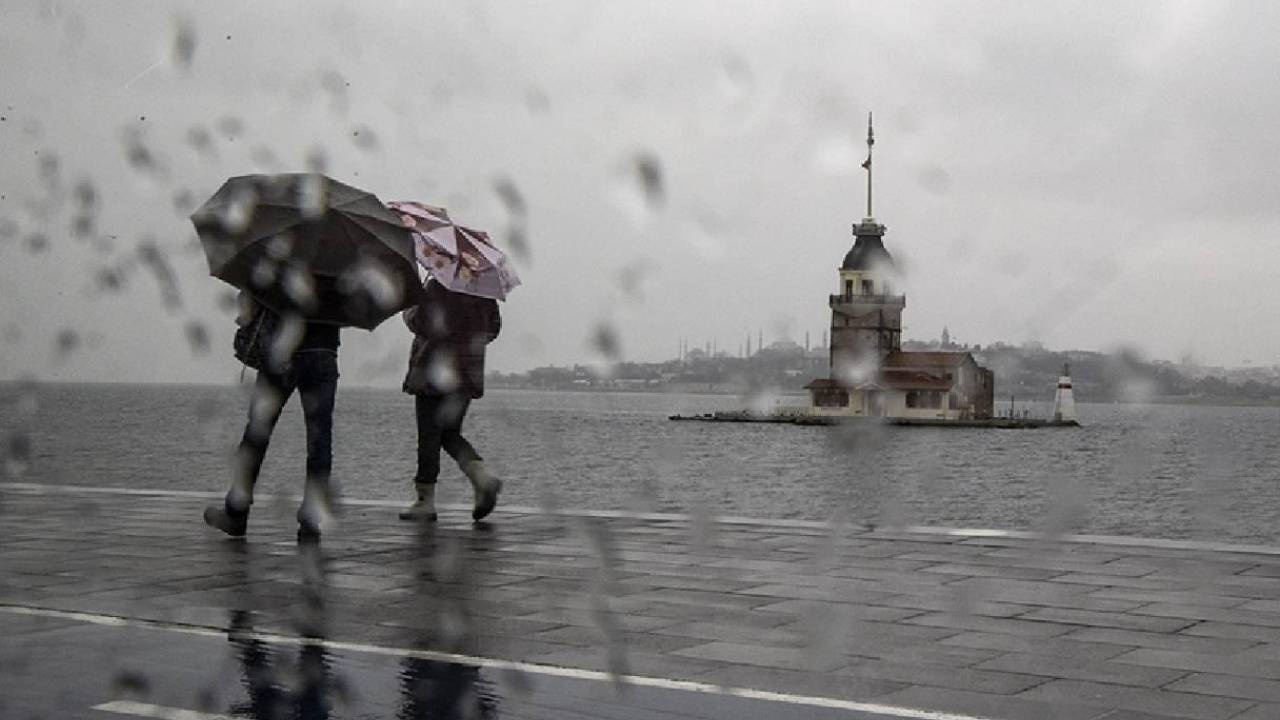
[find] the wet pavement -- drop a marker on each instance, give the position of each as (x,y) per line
(117,604)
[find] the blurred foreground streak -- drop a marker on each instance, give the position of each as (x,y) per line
(117,600)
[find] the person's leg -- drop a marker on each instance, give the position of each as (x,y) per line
(318,391)
(270,392)
(452,411)
(426,416)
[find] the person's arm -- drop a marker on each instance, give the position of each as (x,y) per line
(246,308)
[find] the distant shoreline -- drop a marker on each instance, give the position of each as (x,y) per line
(6,386)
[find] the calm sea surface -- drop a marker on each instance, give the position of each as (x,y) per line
(1152,471)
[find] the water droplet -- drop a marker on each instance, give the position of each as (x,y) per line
(184,202)
(17,455)
(37,242)
(640,191)
(633,275)
(230,126)
(200,139)
(236,215)
(155,260)
(184,43)
(605,340)
(441,374)
(264,274)
(139,155)
(66,342)
(313,196)
(370,281)
(300,286)
(50,170)
(703,233)
(934,179)
(130,684)
(536,101)
(517,682)
(364,138)
(110,279)
(335,85)
(317,161)
(228,301)
(198,337)
(264,157)
(510,196)
(738,82)
(85,194)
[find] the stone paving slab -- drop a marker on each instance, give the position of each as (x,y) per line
(1000,626)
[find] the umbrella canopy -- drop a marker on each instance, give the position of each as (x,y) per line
(460,258)
(307,244)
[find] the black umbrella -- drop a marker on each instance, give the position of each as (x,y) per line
(306,244)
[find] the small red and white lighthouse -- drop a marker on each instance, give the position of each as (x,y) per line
(1064,403)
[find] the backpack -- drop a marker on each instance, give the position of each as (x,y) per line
(252,342)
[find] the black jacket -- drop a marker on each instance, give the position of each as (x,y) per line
(450,332)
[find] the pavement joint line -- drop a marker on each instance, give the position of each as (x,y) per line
(459,659)
(946,532)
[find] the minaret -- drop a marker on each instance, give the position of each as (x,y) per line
(1064,402)
(866,317)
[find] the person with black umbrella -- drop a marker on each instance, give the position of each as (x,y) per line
(310,255)
(289,354)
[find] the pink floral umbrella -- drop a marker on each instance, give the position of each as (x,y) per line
(462,259)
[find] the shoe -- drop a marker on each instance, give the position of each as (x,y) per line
(308,534)
(231,522)
(309,524)
(424,508)
(486,487)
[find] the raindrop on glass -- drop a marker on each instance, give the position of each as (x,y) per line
(317,161)
(640,190)
(17,456)
(198,337)
(130,684)
(364,139)
(139,156)
(605,340)
(66,342)
(230,126)
(184,44)
(200,139)
(312,196)
(155,260)
(110,279)
(265,158)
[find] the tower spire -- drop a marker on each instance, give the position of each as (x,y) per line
(871,141)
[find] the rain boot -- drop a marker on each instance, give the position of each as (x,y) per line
(486,487)
(424,508)
(316,512)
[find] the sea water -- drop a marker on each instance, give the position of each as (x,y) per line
(1164,471)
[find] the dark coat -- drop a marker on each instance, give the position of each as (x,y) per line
(450,332)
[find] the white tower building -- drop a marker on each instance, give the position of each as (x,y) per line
(1064,403)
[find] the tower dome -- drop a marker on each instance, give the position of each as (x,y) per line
(868,252)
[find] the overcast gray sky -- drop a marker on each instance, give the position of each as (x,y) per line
(1087,175)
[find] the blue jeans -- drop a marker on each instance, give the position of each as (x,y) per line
(314,374)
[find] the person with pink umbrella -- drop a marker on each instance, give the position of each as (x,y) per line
(454,320)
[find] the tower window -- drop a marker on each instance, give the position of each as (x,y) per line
(866,287)
(848,288)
